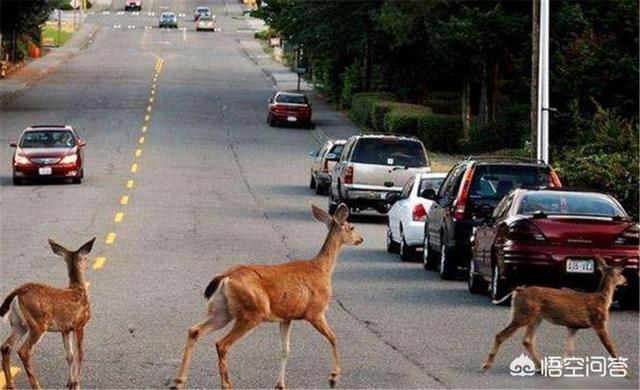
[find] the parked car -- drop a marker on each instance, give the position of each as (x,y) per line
(550,237)
(474,186)
(132,5)
(168,20)
(371,166)
(321,166)
(405,226)
(199,12)
(205,23)
(49,151)
(288,107)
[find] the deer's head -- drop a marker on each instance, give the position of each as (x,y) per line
(74,259)
(337,224)
(612,274)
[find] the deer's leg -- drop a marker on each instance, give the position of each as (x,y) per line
(500,338)
(79,355)
(570,346)
(603,334)
(321,325)
(530,340)
(285,328)
(17,331)
(66,341)
(240,328)
(25,355)
(210,324)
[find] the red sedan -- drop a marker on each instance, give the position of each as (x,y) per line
(291,108)
(45,152)
(550,237)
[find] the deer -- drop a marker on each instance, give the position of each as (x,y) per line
(36,308)
(572,309)
(252,294)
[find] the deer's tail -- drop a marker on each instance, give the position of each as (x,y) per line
(213,286)
(6,304)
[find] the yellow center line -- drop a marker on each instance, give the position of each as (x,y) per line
(124,200)
(150,100)
(118,217)
(129,183)
(14,373)
(141,140)
(138,152)
(146,118)
(149,108)
(144,129)
(153,91)
(134,168)
(99,263)
(111,238)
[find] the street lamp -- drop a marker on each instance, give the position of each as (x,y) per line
(543,85)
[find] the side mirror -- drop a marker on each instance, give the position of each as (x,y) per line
(429,193)
(269,101)
(82,143)
(331,157)
(313,152)
(13,145)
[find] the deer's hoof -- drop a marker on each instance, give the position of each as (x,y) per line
(11,386)
(177,384)
(485,368)
(280,386)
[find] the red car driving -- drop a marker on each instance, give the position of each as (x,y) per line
(291,108)
(45,152)
(550,237)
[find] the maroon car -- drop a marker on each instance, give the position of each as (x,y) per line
(291,108)
(550,237)
(45,152)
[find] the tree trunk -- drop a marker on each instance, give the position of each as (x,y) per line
(366,71)
(465,111)
(483,109)
(535,55)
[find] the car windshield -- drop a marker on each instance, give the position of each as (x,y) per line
(496,181)
(202,10)
(168,16)
(47,139)
(337,149)
(572,203)
(390,151)
(294,99)
(430,183)
(204,19)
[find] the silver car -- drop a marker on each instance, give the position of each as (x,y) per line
(323,163)
(199,12)
(371,166)
(205,23)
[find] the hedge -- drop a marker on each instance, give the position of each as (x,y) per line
(440,132)
(403,118)
(378,112)
(362,103)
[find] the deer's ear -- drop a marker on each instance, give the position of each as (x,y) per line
(86,248)
(342,213)
(602,264)
(320,215)
(58,249)
(621,264)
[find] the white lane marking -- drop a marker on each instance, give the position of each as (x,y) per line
(217,29)
(151,14)
(117,26)
(163,42)
(182,15)
(135,13)
(106,12)
(184,33)
(131,27)
(148,27)
(120,12)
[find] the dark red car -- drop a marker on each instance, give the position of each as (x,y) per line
(45,152)
(550,237)
(291,108)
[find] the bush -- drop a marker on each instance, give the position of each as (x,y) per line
(403,118)
(378,112)
(440,132)
(443,106)
(265,34)
(362,103)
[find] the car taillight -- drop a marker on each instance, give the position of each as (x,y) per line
(419,213)
(523,230)
(278,108)
(463,195)
(554,180)
(631,236)
(348,175)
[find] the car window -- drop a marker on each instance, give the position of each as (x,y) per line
(292,99)
(322,151)
(205,19)
(406,190)
(430,183)
(47,139)
(390,151)
(496,181)
(337,149)
(448,181)
(574,203)
(502,209)
(347,150)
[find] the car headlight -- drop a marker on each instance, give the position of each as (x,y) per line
(21,160)
(70,159)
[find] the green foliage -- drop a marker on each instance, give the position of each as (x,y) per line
(440,132)
(378,111)
(362,104)
(265,34)
(445,106)
(403,118)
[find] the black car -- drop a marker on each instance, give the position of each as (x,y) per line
(473,187)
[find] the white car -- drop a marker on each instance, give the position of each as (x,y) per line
(321,167)
(405,228)
(205,23)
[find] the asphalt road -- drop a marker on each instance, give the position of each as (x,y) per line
(215,187)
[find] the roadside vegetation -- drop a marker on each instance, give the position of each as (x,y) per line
(458,75)
(50,34)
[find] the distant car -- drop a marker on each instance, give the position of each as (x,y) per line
(371,166)
(132,5)
(43,152)
(474,185)
(205,23)
(405,226)
(321,166)
(168,20)
(199,12)
(550,237)
(288,107)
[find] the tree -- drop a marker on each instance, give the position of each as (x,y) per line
(23,18)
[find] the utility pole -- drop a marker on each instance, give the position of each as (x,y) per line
(59,25)
(535,57)
(543,85)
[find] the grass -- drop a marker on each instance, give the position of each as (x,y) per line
(50,36)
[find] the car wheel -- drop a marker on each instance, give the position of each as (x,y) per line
(312,182)
(429,256)
(321,189)
(311,125)
(407,253)
(76,180)
(499,287)
(447,268)
(271,121)
(475,282)
(392,246)
(16,181)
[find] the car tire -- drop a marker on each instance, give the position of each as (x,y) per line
(321,189)
(476,283)
(17,182)
(76,180)
(271,121)
(407,253)
(311,125)
(312,183)
(447,267)
(499,288)
(429,256)
(392,246)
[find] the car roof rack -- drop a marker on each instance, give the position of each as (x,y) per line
(48,126)
(506,158)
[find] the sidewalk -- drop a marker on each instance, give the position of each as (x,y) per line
(22,78)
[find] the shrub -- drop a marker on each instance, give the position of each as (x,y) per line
(445,95)
(443,106)
(378,112)
(403,118)
(440,132)
(361,104)
(265,34)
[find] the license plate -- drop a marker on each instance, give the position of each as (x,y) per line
(580,266)
(292,119)
(44,170)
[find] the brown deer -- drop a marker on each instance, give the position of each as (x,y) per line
(251,294)
(573,309)
(38,308)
